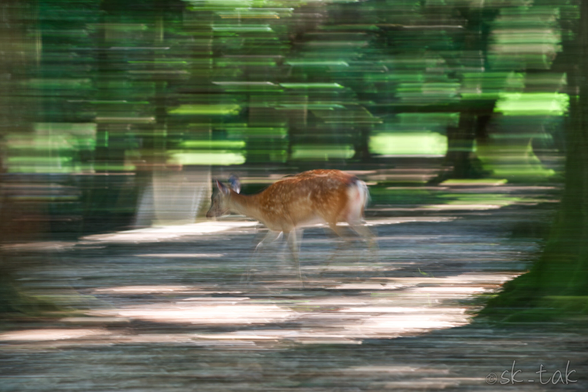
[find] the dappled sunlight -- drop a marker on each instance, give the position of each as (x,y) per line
(200,287)
(369,308)
(312,317)
(449,290)
(317,323)
(198,303)
(142,289)
(367,286)
(395,221)
(181,255)
(357,267)
(154,234)
(172,232)
(409,322)
(188,312)
(198,297)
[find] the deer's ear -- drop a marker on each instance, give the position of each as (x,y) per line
(222,187)
(234,183)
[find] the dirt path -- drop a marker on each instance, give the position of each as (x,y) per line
(168,309)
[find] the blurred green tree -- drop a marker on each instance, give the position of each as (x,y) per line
(20,61)
(556,287)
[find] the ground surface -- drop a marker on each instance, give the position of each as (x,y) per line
(175,309)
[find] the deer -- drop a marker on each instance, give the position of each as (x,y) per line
(295,202)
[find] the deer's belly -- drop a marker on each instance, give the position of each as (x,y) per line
(310,221)
(289,223)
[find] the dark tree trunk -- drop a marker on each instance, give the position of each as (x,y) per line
(557,284)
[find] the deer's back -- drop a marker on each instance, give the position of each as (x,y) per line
(307,198)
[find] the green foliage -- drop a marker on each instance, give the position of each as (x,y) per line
(340,80)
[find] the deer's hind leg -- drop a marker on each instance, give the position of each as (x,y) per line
(354,217)
(343,243)
(368,236)
(364,232)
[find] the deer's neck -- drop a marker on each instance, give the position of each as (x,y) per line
(245,205)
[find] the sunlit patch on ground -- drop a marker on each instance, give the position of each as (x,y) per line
(181,255)
(372,308)
(394,221)
(153,234)
(141,289)
(410,321)
(404,306)
(229,313)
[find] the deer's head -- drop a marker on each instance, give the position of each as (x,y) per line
(221,194)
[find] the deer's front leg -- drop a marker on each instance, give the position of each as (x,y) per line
(294,244)
(270,237)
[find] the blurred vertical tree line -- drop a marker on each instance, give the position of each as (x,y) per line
(105,103)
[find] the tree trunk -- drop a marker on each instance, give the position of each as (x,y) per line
(19,55)
(557,284)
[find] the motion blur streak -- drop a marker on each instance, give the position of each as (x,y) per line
(466,119)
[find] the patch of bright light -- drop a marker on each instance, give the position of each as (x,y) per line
(477,182)
(206,158)
(449,290)
(532,104)
(195,313)
(326,152)
(409,143)
(181,255)
(212,109)
(141,289)
(414,322)
(154,234)
(209,144)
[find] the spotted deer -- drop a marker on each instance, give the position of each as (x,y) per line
(316,196)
